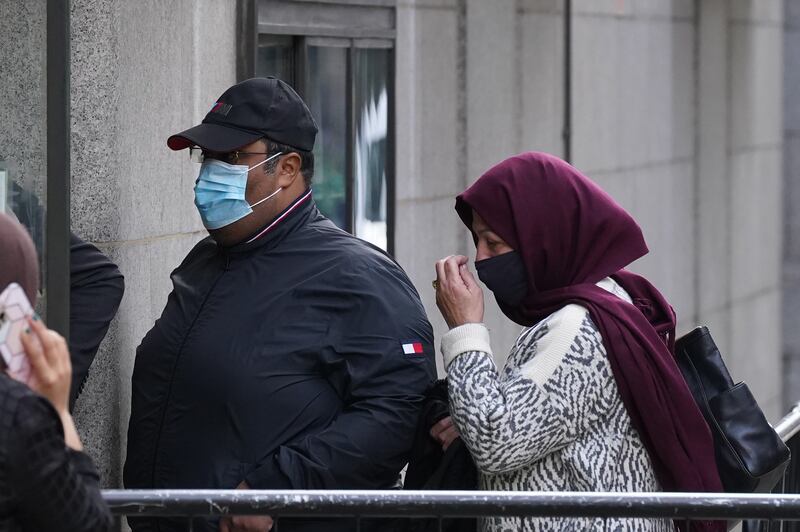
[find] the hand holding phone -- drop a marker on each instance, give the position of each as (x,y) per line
(36,356)
(15,310)
(51,368)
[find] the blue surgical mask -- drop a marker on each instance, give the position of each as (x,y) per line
(219,192)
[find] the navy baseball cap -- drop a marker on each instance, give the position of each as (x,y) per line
(248,111)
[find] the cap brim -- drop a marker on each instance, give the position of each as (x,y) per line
(212,137)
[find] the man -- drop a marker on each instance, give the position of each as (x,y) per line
(290,354)
(96,287)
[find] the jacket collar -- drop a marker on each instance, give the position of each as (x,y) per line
(286,222)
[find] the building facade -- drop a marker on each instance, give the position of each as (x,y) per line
(675,107)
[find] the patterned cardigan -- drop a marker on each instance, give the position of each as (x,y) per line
(552,420)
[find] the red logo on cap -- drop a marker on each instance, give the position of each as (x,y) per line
(221,108)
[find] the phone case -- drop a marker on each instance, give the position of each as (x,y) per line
(14,308)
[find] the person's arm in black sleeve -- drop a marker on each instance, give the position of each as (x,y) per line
(56,488)
(383,388)
(96,288)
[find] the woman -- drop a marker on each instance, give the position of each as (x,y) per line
(590,398)
(46,482)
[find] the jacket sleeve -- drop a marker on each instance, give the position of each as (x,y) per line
(56,488)
(382,385)
(511,419)
(96,288)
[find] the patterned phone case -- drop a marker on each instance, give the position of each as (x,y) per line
(14,308)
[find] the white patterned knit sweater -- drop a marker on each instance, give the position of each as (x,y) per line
(552,420)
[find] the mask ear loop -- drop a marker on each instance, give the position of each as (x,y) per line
(259,202)
(265,199)
(268,159)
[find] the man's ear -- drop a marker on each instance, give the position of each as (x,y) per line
(288,169)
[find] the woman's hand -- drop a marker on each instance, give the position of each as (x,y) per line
(444,432)
(458,296)
(51,367)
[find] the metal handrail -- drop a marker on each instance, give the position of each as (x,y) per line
(395,503)
(790,424)
(440,504)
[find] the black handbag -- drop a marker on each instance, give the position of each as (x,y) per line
(750,455)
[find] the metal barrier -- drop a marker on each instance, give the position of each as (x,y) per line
(440,505)
(396,503)
(788,429)
(789,426)
(779,511)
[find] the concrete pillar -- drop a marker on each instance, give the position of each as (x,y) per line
(791,200)
(755,144)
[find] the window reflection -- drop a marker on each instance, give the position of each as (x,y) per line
(371,72)
(275,57)
(22,203)
(326,95)
(333,101)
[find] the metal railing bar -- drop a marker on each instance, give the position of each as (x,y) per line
(790,424)
(394,503)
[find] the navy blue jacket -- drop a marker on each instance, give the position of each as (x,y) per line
(287,362)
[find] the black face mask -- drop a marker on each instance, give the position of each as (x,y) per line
(505,276)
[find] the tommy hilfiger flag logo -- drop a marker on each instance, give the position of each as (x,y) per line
(221,108)
(413,347)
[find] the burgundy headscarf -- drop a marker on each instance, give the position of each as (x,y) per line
(18,262)
(570,235)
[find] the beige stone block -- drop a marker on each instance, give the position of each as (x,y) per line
(542,72)
(427,127)
(756,84)
(758,11)
(596,117)
(542,6)
(674,9)
(493,89)
(756,222)
(430,231)
(755,353)
(617,8)
(633,96)
(664,208)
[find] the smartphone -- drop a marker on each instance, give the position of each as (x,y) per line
(14,311)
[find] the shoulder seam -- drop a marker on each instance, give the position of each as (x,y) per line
(563,327)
